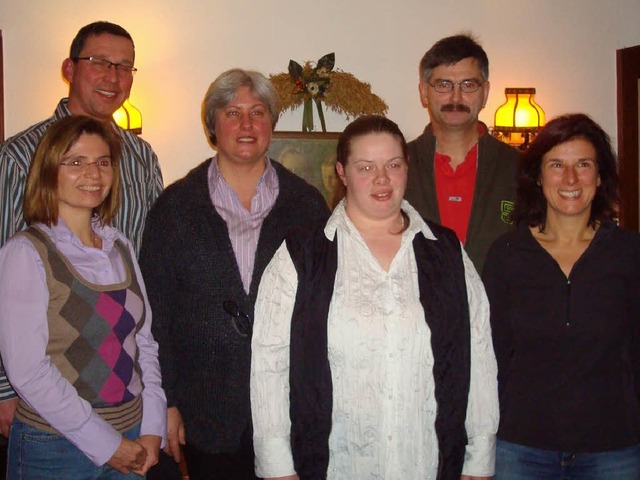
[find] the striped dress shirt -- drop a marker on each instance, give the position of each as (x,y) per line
(141,185)
(243,226)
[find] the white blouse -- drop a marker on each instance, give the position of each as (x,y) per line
(384,406)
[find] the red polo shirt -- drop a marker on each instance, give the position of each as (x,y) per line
(454,189)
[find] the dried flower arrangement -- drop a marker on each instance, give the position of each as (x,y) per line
(340,91)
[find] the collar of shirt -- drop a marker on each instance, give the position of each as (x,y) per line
(340,219)
(62,110)
(268,179)
(100,267)
(442,164)
(62,233)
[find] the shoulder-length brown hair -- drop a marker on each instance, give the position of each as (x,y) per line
(531,204)
(41,192)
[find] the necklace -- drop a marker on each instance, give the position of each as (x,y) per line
(94,239)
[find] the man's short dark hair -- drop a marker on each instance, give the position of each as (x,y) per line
(451,50)
(95,28)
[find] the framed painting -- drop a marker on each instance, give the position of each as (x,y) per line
(311,156)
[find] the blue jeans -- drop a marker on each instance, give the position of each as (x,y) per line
(517,462)
(34,454)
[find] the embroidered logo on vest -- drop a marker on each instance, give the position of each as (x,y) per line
(506,207)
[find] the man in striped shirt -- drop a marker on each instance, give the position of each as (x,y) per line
(99,71)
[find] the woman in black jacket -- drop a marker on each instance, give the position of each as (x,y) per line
(565,304)
(206,243)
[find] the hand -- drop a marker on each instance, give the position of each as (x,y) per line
(7,410)
(129,456)
(151,444)
(175,433)
(471,477)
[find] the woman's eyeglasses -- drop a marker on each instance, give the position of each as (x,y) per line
(82,163)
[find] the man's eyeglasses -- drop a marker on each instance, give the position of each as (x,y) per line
(80,164)
(447,86)
(241,321)
(103,65)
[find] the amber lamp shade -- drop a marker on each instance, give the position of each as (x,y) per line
(519,119)
(129,118)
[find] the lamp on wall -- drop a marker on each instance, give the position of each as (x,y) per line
(519,119)
(128,117)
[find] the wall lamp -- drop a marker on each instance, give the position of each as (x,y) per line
(519,119)
(128,117)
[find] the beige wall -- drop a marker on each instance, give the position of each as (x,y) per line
(564,48)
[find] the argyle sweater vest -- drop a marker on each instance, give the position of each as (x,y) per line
(92,341)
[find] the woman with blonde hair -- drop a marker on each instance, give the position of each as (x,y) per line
(75,321)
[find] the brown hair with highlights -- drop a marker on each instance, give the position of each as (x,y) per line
(41,192)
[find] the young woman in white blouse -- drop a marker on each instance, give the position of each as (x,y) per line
(371,351)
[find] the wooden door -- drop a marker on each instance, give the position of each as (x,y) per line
(628,85)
